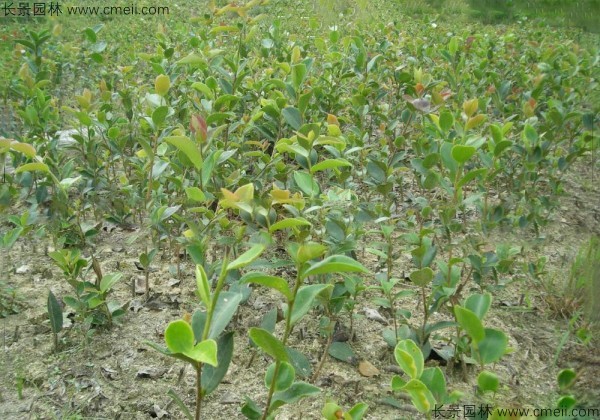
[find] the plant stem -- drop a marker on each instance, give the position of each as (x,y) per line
(271,390)
(198,390)
(425,315)
(323,356)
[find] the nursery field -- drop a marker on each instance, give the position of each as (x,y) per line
(300,210)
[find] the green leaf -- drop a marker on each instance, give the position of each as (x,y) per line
(300,362)
(566,402)
(224,309)
(422,277)
(292,116)
(292,149)
(188,147)
(502,146)
(191,59)
(461,153)
(470,323)
(471,175)
(202,286)
(195,194)
(198,322)
(219,29)
(397,383)
(54,313)
(180,404)
(201,87)
(285,376)
(446,120)
(272,282)
(330,411)
(204,352)
(294,393)
(329,164)
(298,74)
(335,264)
(208,165)
(409,357)
(343,352)
(496,132)
(434,380)
(304,300)
(479,304)
(246,258)
(251,410)
(268,343)
(160,114)
(449,162)
(109,280)
(180,341)
(212,376)
(421,397)
(307,252)
(31,167)
(10,237)
(25,148)
(291,222)
(487,381)
(358,411)
(306,183)
(475,121)
(530,135)
(566,378)
(493,346)
(179,336)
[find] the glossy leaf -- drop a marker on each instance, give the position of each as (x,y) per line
(409,357)
(180,341)
(479,304)
(188,147)
(246,258)
(335,264)
(54,313)
(420,396)
(285,376)
(422,277)
(292,116)
(470,323)
(487,381)
(461,153)
(211,375)
(268,343)
(304,300)
(566,378)
(294,393)
(202,286)
(291,222)
(225,309)
(493,346)
(329,164)
(273,282)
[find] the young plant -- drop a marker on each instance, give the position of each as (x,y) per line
(145,261)
(487,345)
(201,343)
(56,317)
(299,300)
(91,299)
(425,386)
(332,411)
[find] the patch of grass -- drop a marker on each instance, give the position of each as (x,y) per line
(10,301)
(579,293)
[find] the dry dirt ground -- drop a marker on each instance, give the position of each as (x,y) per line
(113,374)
